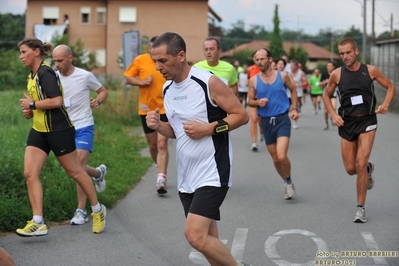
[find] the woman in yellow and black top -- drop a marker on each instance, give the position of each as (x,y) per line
(52,130)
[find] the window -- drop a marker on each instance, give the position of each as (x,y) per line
(50,15)
(85,15)
(101,15)
(100,57)
(127,14)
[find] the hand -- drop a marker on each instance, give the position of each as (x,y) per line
(27,113)
(294,114)
(152,119)
(195,130)
(94,103)
(25,102)
(337,120)
(262,102)
(382,109)
(147,81)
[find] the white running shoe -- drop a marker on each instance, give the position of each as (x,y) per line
(100,182)
(161,185)
(290,192)
(254,147)
(360,215)
(80,217)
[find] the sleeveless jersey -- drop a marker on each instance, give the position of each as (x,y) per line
(275,93)
(46,84)
(201,162)
(356,92)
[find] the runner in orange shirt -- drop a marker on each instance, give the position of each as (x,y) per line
(142,73)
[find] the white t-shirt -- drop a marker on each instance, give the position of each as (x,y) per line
(200,162)
(287,68)
(242,82)
(298,80)
(77,87)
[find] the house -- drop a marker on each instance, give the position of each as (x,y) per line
(316,54)
(384,55)
(100,24)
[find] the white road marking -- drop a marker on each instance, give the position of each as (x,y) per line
(372,245)
(271,244)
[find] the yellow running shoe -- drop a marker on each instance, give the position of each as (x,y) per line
(99,219)
(33,229)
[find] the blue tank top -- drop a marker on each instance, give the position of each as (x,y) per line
(275,93)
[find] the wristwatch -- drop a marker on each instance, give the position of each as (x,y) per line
(221,127)
(32,105)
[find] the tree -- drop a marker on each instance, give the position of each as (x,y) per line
(12,31)
(81,57)
(300,55)
(276,42)
(244,56)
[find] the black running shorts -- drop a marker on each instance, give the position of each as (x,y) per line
(60,142)
(146,129)
(205,201)
(356,125)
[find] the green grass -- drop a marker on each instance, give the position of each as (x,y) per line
(114,145)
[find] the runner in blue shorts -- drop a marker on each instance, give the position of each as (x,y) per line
(267,92)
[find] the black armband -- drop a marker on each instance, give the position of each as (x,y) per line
(222,127)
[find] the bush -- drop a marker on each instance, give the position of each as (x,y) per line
(13,74)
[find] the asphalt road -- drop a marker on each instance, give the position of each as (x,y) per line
(257,225)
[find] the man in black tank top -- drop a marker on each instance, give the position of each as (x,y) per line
(356,118)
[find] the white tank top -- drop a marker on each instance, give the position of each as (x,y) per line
(206,161)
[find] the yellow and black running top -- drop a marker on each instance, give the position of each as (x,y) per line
(46,84)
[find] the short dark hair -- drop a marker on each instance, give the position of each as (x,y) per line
(294,62)
(218,43)
(153,39)
(281,59)
(331,62)
(348,41)
(173,41)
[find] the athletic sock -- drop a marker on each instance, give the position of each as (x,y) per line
(162,175)
(96,208)
(288,180)
(360,206)
(38,219)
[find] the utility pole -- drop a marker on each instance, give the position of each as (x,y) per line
(364,33)
(373,23)
(332,46)
(391,25)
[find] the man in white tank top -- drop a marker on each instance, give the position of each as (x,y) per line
(196,104)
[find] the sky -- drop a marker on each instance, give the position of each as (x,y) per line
(308,16)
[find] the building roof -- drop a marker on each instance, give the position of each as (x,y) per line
(314,51)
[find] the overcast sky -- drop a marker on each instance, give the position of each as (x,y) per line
(307,15)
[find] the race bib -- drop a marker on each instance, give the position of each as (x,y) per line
(67,102)
(357,100)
